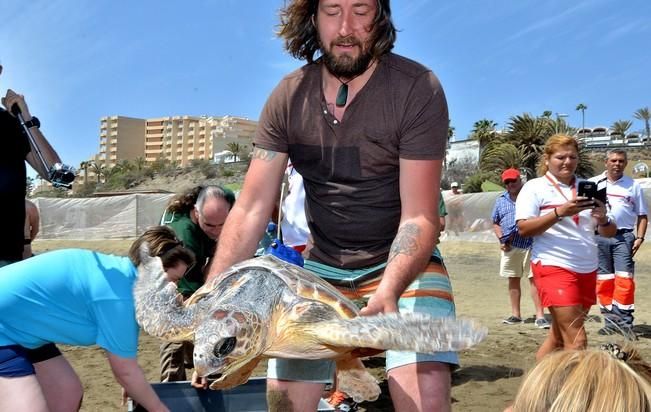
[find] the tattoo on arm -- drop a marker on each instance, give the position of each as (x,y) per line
(263,154)
(405,242)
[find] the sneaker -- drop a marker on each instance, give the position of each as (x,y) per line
(511,320)
(541,323)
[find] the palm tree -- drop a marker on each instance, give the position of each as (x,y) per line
(84,166)
(530,134)
(99,170)
(235,149)
(620,127)
(484,132)
(644,114)
(502,156)
(582,107)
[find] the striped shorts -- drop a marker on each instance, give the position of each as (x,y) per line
(430,292)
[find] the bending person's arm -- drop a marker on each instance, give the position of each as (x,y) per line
(132,378)
(413,245)
(248,219)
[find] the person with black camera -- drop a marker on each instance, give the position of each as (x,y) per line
(562,219)
(16,122)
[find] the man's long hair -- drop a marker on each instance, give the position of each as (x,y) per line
(301,37)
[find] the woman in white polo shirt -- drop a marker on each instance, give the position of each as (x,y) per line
(564,255)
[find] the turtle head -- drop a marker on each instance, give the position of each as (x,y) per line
(226,341)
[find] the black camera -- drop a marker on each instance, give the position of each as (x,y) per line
(61,175)
(590,190)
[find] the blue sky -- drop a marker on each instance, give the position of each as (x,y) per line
(76,61)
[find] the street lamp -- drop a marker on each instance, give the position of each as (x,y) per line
(558,119)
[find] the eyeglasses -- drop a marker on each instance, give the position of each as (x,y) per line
(509,181)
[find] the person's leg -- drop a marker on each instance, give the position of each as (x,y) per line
(624,288)
(293,396)
(19,387)
(296,385)
(511,268)
(540,314)
(606,282)
(22,394)
(570,320)
(421,387)
(172,362)
(514,296)
(60,384)
(417,381)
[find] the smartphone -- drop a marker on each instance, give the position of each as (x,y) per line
(587,189)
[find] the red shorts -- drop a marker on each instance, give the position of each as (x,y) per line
(562,287)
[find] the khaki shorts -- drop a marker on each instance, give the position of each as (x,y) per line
(516,263)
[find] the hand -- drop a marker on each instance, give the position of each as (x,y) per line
(505,247)
(199,382)
(125,397)
(574,206)
(14,98)
(636,246)
(599,212)
(380,303)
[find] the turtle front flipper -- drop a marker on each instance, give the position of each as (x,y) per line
(414,332)
(159,310)
(355,381)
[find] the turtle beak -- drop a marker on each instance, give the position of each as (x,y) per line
(207,365)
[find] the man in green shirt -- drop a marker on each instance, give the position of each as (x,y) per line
(197,217)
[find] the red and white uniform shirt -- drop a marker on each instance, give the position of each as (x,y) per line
(570,243)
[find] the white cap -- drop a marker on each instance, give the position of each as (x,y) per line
(454,184)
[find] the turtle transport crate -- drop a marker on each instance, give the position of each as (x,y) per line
(182,397)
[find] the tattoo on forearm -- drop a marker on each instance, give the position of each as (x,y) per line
(263,154)
(406,242)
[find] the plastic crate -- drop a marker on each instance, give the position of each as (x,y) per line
(182,397)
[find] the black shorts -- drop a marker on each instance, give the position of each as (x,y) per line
(43,353)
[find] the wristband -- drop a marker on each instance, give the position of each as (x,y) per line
(639,238)
(558,217)
(33,122)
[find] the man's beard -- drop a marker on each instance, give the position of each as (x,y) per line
(346,66)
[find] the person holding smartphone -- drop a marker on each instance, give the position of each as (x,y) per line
(564,256)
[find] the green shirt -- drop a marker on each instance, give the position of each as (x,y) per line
(195,239)
(442,210)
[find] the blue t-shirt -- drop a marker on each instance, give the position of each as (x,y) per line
(70,296)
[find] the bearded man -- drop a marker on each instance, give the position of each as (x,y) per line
(367,130)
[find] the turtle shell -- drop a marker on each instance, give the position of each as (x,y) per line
(298,280)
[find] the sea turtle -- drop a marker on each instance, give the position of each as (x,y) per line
(265,307)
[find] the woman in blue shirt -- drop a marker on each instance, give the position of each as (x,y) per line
(75,297)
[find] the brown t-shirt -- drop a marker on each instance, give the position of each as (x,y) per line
(351,168)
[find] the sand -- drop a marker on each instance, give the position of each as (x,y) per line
(489,374)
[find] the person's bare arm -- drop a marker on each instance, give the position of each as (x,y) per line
(49,154)
(640,232)
(535,226)
(414,242)
(34,219)
(132,379)
(248,219)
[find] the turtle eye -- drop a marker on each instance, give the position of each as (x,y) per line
(225,347)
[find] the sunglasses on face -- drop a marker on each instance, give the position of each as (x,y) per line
(509,181)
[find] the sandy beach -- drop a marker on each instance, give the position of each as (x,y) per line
(490,373)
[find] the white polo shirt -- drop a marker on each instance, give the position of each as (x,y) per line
(566,244)
(626,200)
